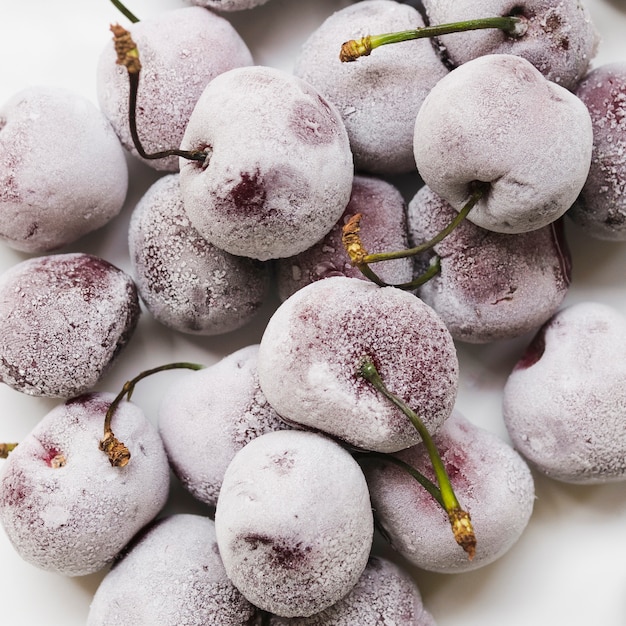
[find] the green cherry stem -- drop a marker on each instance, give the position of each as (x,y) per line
(118,453)
(361,259)
(355,48)
(128,56)
(429,485)
(459,519)
(124,11)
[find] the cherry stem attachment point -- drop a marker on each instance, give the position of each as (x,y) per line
(124,11)
(118,453)
(355,48)
(459,519)
(6,448)
(128,56)
(361,259)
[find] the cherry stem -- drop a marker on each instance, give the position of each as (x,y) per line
(355,48)
(6,448)
(124,11)
(128,56)
(459,519)
(361,259)
(430,486)
(118,453)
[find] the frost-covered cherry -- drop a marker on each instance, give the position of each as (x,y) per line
(378,99)
(278,172)
(180,50)
(525,138)
(294,522)
(601,207)
(185,282)
(64,507)
(385,594)
(316,341)
(490,286)
(488,476)
(63,172)
(63,320)
(384,228)
(229,5)
(564,401)
(170,575)
(560,38)
(209,415)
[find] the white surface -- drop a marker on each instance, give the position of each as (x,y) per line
(568,568)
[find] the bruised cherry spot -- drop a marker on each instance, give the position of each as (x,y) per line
(249,194)
(533,352)
(285,556)
(312,125)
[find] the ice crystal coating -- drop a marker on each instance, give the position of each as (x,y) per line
(172,575)
(209,415)
(62,169)
(384,592)
(316,341)
(379,96)
(63,320)
(294,522)
(564,401)
(185,282)
(64,507)
(491,481)
(601,206)
(279,171)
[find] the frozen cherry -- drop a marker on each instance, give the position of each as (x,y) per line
(490,286)
(489,476)
(63,320)
(294,522)
(64,507)
(601,206)
(171,575)
(383,211)
(278,171)
(560,39)
(526,138)
(564,401)
(316,341)
(185,282)
(377,100)
(180,50)
(62,169)
(208,415)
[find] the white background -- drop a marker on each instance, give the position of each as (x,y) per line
(570,565)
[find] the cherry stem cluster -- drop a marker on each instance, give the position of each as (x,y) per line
(118,453)
(128,56)
(361,259)
(459,519)
(355,48)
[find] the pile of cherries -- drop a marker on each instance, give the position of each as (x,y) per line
(342,419)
